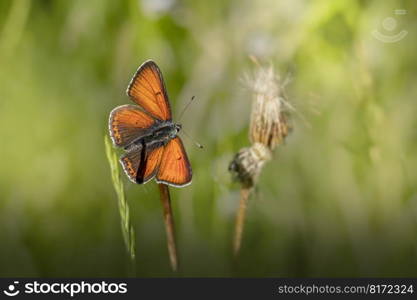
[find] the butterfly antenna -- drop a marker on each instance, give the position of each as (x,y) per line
(185,108)
(194,141)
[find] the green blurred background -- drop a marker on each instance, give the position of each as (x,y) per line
(338,199)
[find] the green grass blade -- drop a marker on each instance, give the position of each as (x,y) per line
(127,229)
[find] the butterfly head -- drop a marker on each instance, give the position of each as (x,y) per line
(178,127)
(174,130)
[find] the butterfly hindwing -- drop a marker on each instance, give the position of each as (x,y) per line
(147,89)
(141,164)
(175,168)
(127,123)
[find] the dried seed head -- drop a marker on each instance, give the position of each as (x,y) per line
(248,162)
(268,128)
(269,119)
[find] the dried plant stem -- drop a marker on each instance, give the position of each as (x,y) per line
(169,225)
(268,129)
(240,218)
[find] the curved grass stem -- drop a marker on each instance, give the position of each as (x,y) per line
(126,223)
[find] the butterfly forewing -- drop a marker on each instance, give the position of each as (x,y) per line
(147,89)
(175,168)
(127,123)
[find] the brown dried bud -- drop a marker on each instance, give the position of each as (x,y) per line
(248,162)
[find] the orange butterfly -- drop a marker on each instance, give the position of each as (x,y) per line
(147,133)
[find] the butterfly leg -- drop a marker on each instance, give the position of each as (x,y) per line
(142,166)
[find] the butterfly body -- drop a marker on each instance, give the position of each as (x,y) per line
(147,133)
(157,136)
